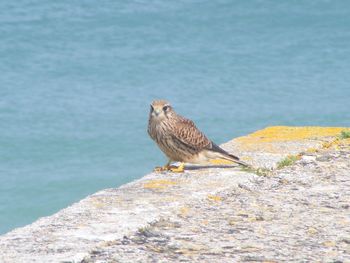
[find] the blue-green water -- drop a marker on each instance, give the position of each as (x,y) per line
(77,78)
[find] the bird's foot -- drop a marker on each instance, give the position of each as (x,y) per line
(162,168)
(179,169)
(171,168)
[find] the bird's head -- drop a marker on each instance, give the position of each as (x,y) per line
(160,110)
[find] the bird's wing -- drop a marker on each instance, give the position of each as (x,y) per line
(187,133)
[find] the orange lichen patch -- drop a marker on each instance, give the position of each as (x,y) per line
(205,222)
(274,139)
(158,184)
(285,133)
(214,198)
(220,162)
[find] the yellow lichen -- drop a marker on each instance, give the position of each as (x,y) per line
(285,133)
(232,222)
(336,143)
(246,158)
(271,139)
(220,162)
(158,184)
(214,198)
(312,231)
(184,211)
(326,145)
(312,150)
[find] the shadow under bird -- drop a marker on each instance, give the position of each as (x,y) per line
(180,140)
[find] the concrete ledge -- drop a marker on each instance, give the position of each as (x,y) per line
(100,220)
(265,148)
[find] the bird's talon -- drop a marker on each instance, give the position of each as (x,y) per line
(171,168)
(166,167)
(160,169)
(179,169)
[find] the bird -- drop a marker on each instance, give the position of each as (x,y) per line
(180,140)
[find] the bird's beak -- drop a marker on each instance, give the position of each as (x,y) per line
(156,112)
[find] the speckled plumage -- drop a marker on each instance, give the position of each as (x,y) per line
(180,139)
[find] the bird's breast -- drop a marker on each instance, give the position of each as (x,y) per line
(158,130)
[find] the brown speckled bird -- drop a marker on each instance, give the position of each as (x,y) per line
(180,140)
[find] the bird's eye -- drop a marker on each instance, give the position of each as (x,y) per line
(151,108)
(165,108)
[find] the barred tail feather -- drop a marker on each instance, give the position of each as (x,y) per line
(234,159)
(227,156)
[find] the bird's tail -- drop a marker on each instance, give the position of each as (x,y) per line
(221,153)
(234,159)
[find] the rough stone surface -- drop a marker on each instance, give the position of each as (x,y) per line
(299,213)
(265,148)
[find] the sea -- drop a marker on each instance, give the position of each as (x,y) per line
(77,79)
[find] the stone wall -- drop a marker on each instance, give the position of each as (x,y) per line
(292,206)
